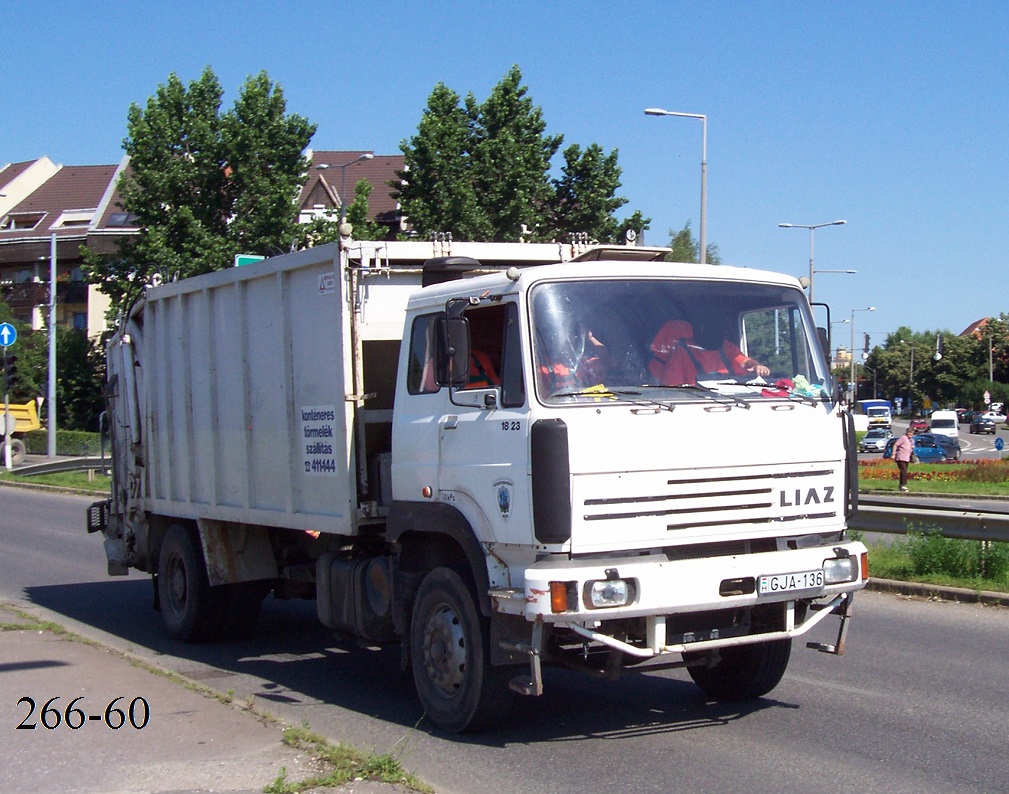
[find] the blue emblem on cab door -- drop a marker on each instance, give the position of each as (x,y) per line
(503,491)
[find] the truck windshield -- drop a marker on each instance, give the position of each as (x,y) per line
(673,339)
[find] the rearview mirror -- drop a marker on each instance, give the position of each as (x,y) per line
(452,347)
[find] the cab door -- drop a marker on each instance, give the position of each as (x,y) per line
(483,435)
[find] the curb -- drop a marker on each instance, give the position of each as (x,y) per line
(940,592)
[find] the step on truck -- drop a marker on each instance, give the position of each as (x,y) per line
(500,456)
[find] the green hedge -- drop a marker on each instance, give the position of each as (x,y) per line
(68,442)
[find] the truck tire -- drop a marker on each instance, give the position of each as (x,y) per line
(744,672)
(18,452)
(191,609)
(457,686)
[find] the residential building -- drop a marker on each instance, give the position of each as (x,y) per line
(47,207)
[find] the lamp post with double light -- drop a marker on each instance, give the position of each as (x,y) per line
(704,171)
(343,179)
(812,228)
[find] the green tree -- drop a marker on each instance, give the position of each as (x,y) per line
(204,185)
(686,247)
(80,373)
(80,380)
(264,154)
(326,228)
(357,214)
(25,384)
(584,194)
(959,378)
(481,172)
(438,192)
(511,155)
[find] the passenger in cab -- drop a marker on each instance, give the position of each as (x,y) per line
(703,354)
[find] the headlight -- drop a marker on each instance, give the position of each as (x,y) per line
(839,570)
(608,593)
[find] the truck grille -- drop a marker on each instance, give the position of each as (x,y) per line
(656,508)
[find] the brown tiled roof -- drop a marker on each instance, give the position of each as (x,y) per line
(975,328)
(83,187)
(12,171)
(73,187)
(323,186)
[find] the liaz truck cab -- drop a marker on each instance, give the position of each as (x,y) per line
(499,456)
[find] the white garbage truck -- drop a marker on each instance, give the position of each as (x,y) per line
(500,456)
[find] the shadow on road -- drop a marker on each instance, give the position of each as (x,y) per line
(293,659)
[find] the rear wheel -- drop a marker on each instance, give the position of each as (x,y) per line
(190,609)
(449,654)
(18,451)
(743,672)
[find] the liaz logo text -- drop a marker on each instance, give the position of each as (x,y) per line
(812,496)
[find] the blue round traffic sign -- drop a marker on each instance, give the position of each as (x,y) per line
(8,334)
(999,444)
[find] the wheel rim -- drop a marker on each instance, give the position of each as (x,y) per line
(444,650)
(177,584)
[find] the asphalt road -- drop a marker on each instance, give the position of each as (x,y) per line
(916,704)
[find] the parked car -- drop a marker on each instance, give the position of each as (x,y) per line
(875,439)
(968,416)
(925,449)
(996,417)
(919,425)
(950,446)
(982,424)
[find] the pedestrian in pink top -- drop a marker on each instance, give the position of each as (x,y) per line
(903,451)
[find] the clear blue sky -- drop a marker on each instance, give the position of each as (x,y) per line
(892,116)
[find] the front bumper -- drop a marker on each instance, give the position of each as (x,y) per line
(666,588)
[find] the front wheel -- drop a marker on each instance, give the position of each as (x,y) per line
(457,686)
(743,672)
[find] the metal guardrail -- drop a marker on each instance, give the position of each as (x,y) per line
(955,518)
(66,464)
(887,514)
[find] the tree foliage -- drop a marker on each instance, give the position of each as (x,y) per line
(959,378)
(686,248)
(481,171)
(205,185)
(80,373)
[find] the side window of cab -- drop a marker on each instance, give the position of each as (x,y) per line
(420,370)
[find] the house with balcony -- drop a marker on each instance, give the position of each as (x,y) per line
(47,208)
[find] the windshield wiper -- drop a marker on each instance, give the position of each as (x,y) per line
(717,396)
(613,394)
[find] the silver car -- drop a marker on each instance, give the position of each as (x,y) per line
(874,440)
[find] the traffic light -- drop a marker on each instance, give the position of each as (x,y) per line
(865,348)
(10,372)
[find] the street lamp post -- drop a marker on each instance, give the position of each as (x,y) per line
(704,170)
(910,382)
(910,377)
(832,324)
(813,227)
(854,391)
(343,179)
(51,391)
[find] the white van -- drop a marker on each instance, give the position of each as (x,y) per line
(944,423)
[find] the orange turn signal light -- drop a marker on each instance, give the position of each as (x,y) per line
(559,596)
